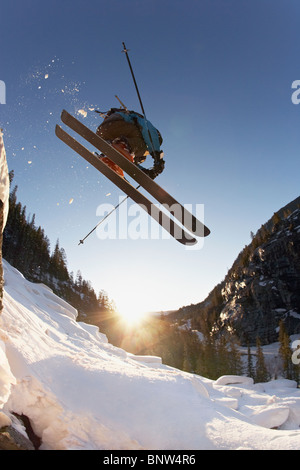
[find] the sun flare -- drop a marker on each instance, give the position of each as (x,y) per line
(132,315)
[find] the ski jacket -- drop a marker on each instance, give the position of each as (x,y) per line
(150,134)
(139,133)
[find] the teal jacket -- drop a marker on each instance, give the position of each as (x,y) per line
(150,134)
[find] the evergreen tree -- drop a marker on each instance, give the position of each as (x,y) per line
(250,368)
(186,365)
(235,361)
(222,359)
(285,351)
(276,219)
(210,367)
(261,372)
(58,267)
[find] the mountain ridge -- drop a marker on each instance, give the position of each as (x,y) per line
(260,289)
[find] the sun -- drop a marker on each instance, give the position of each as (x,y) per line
(131,303)
(132,314)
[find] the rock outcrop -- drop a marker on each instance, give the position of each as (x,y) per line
(261,288)
(12,439)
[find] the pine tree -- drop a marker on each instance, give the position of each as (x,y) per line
(276,219)
(58,267)
(264,234)
(78,281)
(235,361)
(285,352)
(210,366)
(250,368)
(261,372)
(186,365)
(222,359)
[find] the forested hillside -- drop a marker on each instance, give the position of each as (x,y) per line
(27,248)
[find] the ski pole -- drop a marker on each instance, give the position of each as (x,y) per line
(134,80)
(138,93)
(122,104)
(104,218)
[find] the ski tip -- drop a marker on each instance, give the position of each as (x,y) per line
(57,130)
(60,132)
(189,241)
(200,230)
(63,113)
(184,238)
(206,232)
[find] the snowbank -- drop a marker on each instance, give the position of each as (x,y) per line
(80,392)
(234,379)
(4,179)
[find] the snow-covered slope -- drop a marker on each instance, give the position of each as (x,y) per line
(80,392)
(4,179)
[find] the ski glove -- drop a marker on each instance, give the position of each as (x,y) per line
(158,168)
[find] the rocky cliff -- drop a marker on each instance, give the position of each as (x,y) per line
(261,288)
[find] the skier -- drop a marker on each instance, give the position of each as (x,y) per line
(187,219)
(134,136)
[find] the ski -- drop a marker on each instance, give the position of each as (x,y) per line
(162,218)
(188,220)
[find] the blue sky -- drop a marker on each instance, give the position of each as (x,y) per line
(215,77)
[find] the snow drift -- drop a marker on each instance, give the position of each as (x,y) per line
(4,179)
(80,392)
